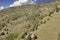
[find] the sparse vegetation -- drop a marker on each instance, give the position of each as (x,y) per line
(25,19)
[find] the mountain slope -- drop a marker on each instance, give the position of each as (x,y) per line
(30,22)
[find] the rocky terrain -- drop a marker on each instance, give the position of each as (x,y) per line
(31,22)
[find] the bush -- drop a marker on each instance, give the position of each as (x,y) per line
(23,35)
(57,9)
(51,13)
(28,37)
(59,36)
(2,33)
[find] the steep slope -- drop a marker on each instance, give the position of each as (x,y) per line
(51,29)
(30,22)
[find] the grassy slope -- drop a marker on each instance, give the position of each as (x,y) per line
(51,29)
(42,19)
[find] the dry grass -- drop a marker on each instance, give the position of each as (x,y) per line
(42,19)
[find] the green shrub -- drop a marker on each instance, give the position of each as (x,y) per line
(57,9)
(58,36)
(28,37)
(51,13)
(2,33)
(23,35)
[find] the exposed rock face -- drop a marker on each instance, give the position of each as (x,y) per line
(33,36)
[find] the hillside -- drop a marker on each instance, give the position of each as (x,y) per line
(31,22)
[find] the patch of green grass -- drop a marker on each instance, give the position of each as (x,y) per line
(12,37)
